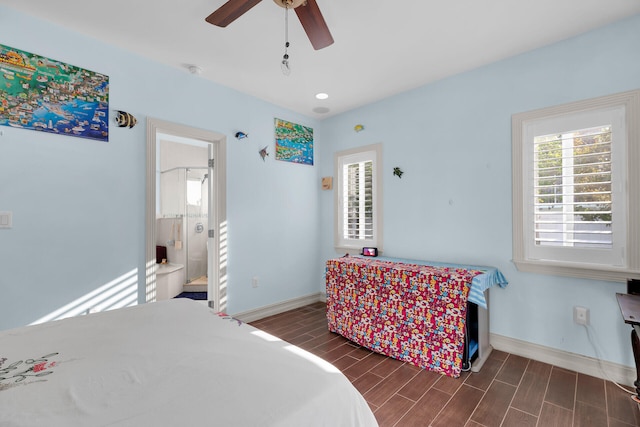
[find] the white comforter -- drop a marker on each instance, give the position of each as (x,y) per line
(170,363)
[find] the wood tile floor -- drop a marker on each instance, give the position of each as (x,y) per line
(508,391)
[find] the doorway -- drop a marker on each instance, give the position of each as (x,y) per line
(210,228)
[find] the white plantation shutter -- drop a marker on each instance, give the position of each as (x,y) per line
(572,189)
(357,200)
(358,194)
(576,188)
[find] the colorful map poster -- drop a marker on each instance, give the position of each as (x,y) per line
(294,143)
(42,94)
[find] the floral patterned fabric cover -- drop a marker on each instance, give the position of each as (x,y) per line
(413,313)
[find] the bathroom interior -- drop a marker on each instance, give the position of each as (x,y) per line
(182,183)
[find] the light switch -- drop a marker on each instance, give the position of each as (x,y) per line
(6,219)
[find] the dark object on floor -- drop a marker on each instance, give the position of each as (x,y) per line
(193,295)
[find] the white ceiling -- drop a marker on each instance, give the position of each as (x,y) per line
(381,47)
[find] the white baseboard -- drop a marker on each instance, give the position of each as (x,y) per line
(277,308)
(575,362)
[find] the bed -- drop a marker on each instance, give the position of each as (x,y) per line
(432,315)
(167,363)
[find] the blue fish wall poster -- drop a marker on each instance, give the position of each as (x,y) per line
(294,143)
(39,93)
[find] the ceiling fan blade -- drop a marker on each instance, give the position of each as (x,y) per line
(230,11)
(314,25)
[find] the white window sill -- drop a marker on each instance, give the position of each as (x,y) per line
(584,271)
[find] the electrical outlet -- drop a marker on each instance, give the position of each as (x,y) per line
(254,282)
(581,315)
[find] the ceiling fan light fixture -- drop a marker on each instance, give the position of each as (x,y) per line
(307,11)
(289,4)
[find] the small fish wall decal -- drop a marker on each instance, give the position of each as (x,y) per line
(124,119)
(358,128)
(263,153)
(397,172)
(241,135)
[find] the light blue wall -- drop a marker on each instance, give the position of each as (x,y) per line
(453,141)
(78,205)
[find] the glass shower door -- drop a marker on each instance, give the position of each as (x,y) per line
(197,211)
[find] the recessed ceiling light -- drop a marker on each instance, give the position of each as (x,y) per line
(322,95)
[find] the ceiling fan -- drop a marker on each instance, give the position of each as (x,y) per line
(307,10)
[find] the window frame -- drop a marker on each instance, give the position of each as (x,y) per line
(366,153)
(523,181)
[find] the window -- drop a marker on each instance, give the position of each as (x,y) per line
(575,189)
(358,197)
(194,192)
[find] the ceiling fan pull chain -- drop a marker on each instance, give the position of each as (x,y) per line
(286,70)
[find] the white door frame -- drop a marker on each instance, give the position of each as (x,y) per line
(217,262)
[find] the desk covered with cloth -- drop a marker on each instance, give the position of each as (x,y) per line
(412,311)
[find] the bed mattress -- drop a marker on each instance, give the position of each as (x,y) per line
(167,363)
